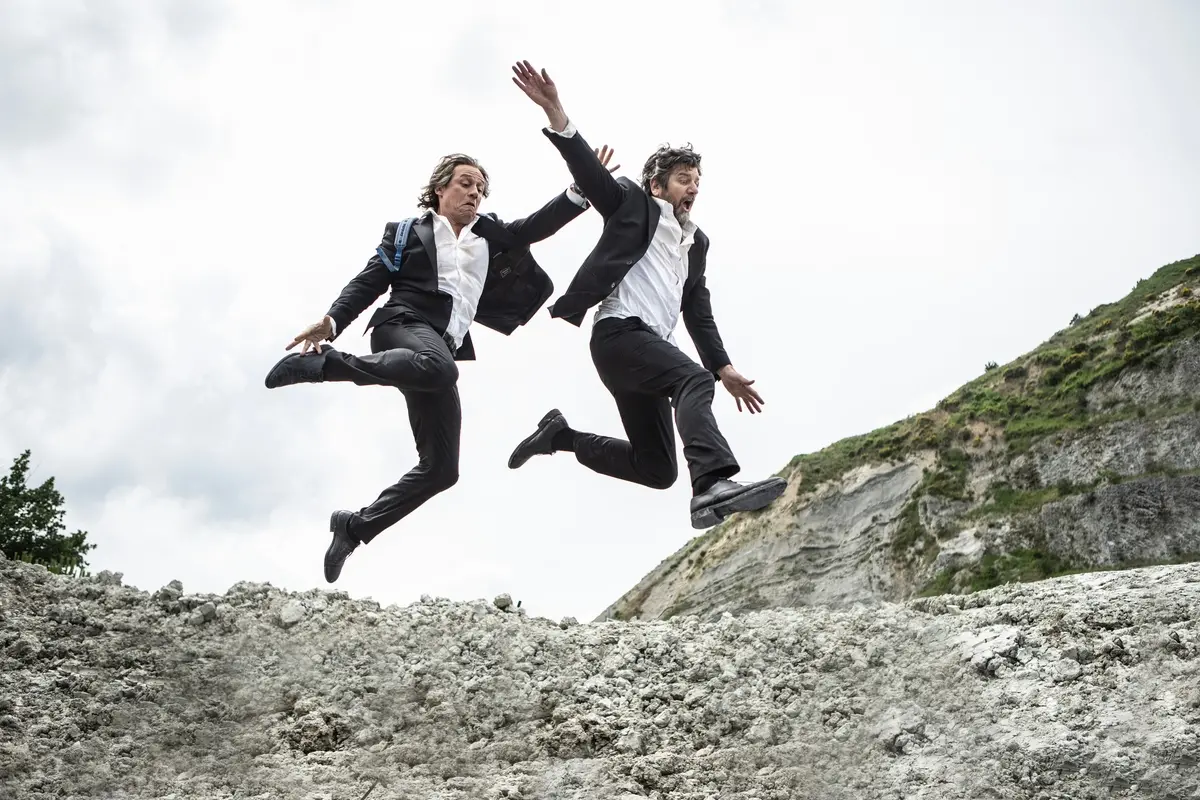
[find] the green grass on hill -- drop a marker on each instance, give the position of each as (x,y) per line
(1024,566)
(1039,394)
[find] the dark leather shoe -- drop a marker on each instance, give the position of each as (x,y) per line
(341,547)
(297,368)
(541,442)
(727,497)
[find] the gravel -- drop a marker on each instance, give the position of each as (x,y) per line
(1080,687)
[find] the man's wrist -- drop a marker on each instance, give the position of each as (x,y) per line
(577,197)
(557,118)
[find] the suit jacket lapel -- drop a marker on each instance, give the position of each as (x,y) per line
(424,229)
(695,257)
(494,232)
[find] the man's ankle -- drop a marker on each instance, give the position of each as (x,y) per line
(564,441)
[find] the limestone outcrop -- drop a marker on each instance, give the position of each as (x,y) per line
(1085,686)
(1081,455)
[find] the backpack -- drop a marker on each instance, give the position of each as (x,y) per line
(402,230)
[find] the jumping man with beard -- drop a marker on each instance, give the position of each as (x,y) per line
(450,267)
(646,270)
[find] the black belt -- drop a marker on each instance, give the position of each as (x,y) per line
(449,340)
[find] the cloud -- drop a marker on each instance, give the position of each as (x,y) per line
(184,185)
(59,62)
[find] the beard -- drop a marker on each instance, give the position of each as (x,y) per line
(682,216)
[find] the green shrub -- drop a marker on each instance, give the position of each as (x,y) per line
(1050,358)
(31,524)
(1073,362)
(1015,373)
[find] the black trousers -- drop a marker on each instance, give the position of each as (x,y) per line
(411,356)
(648,377)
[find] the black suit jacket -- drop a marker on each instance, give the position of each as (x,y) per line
(630,219)
(513,291)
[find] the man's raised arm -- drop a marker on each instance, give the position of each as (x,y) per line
(550,218)
(595,182)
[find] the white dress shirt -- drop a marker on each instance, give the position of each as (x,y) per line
(652,290)
(462,265)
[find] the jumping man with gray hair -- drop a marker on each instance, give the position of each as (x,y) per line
(447,268)
(645,271)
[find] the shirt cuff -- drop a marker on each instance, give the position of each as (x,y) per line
(575,197)
(566,132)
(332,324)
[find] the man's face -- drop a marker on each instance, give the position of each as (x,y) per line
(458,201)
(683,184)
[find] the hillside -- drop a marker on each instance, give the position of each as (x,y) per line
(1080,687)
(1081,455)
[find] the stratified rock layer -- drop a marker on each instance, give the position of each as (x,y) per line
(1120,493)
(1087,686)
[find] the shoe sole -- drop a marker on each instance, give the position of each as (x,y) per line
(753,499)
(513,461)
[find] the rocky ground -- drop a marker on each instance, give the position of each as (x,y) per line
(1081,687)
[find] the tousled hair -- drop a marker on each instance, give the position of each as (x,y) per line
(666,158)
(442,174)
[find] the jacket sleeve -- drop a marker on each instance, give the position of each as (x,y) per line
(698,319)
(595,182)
(547,220)
(365,288)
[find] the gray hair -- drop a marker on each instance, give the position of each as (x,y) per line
(442,174)
(662,161)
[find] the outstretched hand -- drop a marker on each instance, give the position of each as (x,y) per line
(538,87)
(313,335)
(741,388)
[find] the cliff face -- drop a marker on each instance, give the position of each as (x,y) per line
(1079,687)
(1082,455)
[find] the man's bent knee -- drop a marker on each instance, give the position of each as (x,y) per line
(659,476)
(700,375)
(696,381)
(442,373)
(441,479)
(662,482)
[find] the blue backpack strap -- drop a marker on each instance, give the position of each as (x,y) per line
(402,231)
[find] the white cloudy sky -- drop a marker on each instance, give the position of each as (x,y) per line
(894,198)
